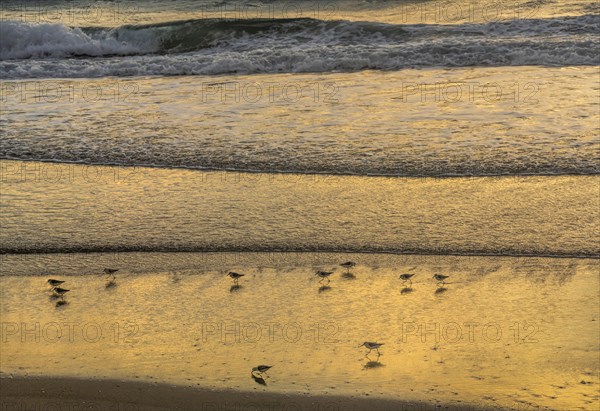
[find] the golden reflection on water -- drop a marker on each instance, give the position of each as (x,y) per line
(499,332)
(464,121)
(108,208)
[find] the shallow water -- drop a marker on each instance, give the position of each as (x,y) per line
(435,122)
(512,332)
(69,208)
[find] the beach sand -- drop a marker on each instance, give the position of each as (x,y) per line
(78,394)
(503,333)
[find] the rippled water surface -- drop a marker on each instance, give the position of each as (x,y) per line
(61,207)
(415,122)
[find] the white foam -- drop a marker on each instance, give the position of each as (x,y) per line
(22,40)
(316,59)
(294,46)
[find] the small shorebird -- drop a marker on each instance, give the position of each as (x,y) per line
(371,346)
(60,292)
(348,265)
(54,283)
(111,272)
(261,369)
(440,278)
(406,277)
(324,275)
(235,276)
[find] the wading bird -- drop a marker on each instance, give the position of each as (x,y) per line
(324,275)
(371,346)
(406,277)
(235,276)
(440,278)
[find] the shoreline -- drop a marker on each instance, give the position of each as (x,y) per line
(113,394)
(3,252)
(314,173)
(152,262)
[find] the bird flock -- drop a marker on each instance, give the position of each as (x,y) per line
(57,292)
(258,373)
(348,265)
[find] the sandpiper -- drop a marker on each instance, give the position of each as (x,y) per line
(348,265)
(54,283)
(406,277)
(371,346)
(60,292)
(235,276)
(440,278)
(111,272)
(261,369)
(324,275)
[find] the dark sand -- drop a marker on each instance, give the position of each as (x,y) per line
(41,393)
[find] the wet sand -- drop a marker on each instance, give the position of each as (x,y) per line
(502,333)
(78,394)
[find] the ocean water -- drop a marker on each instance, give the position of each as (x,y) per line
(394,89)
(177,140)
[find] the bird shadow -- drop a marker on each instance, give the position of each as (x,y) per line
(370,359)
(61,303)
(234,288)
(373,364)
(324,288)
(406,290)
(54,297)
(259,380)
(440,290)
(348,276)
(110,284)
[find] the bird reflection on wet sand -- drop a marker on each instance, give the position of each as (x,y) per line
(441,290)
(259,380)
(373,364)
(406,290)
(348,276)
(324,288)
(110,284)
(234,288)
